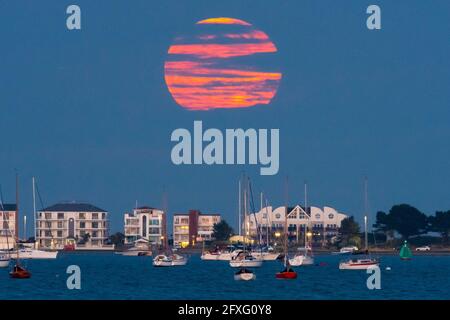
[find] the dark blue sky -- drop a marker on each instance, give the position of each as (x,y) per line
(88,113)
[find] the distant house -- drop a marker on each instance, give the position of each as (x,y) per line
(80,224)
(270,222)
(8,225)
(147,223)
(193,227)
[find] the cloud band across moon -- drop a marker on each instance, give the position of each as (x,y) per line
(223,63)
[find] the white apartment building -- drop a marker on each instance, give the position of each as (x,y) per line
(145,222)
(79,224)
(193,227)
(8,225)
(324,222)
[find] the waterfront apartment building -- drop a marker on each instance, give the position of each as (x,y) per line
(81,225)
(147,223)
(8,225)
(193,227)
(322,223)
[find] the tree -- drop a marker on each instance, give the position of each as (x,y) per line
(85,238)
(222,231)
(406,220)
(117,238)
(383,225)
(440,222)
(349,231)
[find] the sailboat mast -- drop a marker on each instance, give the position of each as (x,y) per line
(260,225)
(16,231)
(306,211)
(240,207)
(285,223)
(33,182)
(365,213)
(17,216)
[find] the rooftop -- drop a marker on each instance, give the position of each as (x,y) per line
(8,207)
(73,207)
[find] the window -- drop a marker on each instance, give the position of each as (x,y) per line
(103,216)
(59,234)
(153,230)
(60,215)
(153,222)
(177,220)
(82,225)
(278,216)
(48,215)
(293,216)
(94,234)
(184,220)
(317,215)
(47,233)
(264,215)
(82,215)
(60,224)
(94,225)
(95,216)
(331,216)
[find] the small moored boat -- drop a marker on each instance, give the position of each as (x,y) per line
(244,275)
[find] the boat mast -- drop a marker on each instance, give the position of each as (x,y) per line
(365,213)
(267,223)
(260,225)
(285,224)
(306,211)
(17,216)
(34,207)
(240,207)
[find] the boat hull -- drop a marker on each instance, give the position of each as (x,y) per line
(244,276)
(357,266)
(34,254)
(4,263)
(209,256)
(286,275)
(162,263)
(245,263)
(296,261)
(135,253)
(266,256)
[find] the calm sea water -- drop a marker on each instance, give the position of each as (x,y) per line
(110,276)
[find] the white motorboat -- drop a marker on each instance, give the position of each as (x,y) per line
(244,275)
(229,255)
(214,255)
(346,250)
(358,264)
(173,260)
(162,260)
(178,260)
(4,260)
(266,256)
(135,252)
(245,261)
(297,260)
(140,249)
(27,253)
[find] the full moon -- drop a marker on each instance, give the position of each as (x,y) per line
(222,63)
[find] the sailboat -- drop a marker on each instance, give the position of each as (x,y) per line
(365,262)
(288,272)
(30,253)
(244,259)
(304,259)
(405,252)
(18,271)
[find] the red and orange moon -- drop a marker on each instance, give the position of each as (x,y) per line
(223,63)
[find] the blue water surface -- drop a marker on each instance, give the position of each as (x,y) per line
(111,276)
